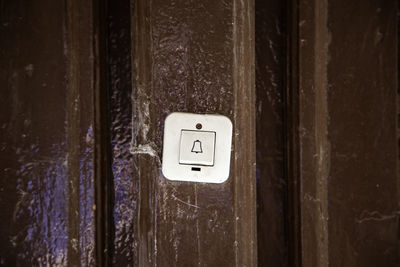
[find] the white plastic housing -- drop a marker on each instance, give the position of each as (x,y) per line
(181,164)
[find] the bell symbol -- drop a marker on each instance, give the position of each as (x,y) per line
(197,147)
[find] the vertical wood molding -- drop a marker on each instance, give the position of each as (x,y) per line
(313,63)
(103,173)
(83,134)
(292,149)
(244,134)
(314,145)
(322,146)
(144,151)
(73,122)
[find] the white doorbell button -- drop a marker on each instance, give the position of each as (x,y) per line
(197,148)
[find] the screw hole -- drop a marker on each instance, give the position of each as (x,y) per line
(199,126)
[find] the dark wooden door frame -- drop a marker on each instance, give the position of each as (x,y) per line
(340,121)
(341,109)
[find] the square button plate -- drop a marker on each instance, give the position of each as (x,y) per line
(181,131)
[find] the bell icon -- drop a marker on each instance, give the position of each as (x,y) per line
(197,147)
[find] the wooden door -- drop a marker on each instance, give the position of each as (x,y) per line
(310,86)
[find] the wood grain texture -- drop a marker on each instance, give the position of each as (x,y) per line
(347,132)
(362,78)
(272,180)
(315,149)
(47,118)
(182,64)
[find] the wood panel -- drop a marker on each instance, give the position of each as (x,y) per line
(181,63)
(347,132)
(47,136)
